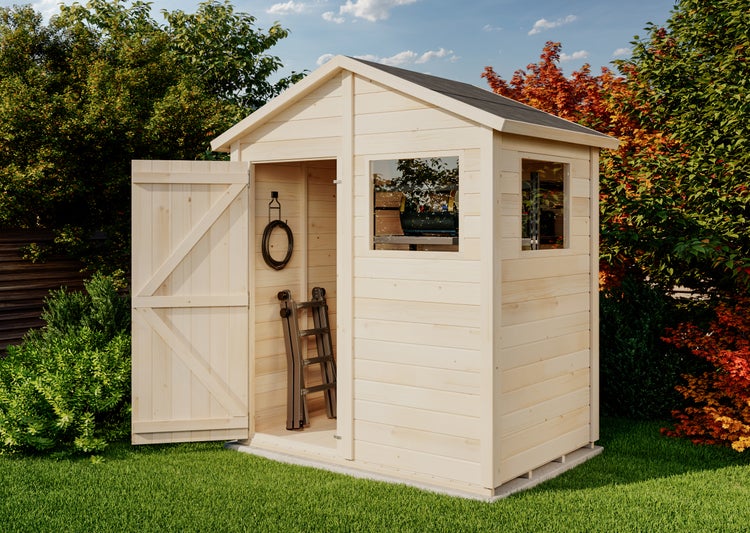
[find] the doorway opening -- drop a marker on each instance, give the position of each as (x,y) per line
(306,194)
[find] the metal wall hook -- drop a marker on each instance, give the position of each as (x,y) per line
(273,224)
(271,206)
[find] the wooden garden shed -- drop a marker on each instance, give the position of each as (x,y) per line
(467,353)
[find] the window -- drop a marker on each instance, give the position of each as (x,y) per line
(415,204)
(543,218)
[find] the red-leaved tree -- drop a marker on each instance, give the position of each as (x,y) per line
(719,400)
(606,103)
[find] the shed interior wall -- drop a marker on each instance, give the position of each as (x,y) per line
(307,196)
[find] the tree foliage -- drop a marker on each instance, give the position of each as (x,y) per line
(718,410)
(693,78)
(104,83)
(675,198)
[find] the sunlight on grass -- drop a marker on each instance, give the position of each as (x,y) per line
(642,482)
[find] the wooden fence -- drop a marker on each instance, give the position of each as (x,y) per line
(24,285)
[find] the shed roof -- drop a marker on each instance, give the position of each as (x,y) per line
(473,103)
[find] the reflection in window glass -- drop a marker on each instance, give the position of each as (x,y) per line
(543,204)
(415,204)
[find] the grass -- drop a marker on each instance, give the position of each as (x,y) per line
(642,482)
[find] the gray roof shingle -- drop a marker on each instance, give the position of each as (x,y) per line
(484,99)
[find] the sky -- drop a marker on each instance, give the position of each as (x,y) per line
(454,39)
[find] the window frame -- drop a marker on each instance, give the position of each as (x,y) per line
(455,248)
(567,201)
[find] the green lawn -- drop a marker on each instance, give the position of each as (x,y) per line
(642,482)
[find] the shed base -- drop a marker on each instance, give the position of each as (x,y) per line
(535,477)
(547,471)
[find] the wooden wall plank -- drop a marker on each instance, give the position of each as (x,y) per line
(548,287)
(425,334)
(458,359)
(545,308)
(528,333)
(542,265)
(422,463)
(417,397)
(418,419)
(405,121)
(544,410)
(548,347)
(420,269)
(422,377)
(541,371)
(417,312)
(418,440)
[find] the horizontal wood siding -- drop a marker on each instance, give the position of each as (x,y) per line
(321,254)
(308,129)
(24,285)
(307,196)
(545,357)
(417,336)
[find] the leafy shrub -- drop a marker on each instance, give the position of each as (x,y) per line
(719,410)
(67,386)
(638,370)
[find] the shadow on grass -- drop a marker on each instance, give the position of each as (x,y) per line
(636,451)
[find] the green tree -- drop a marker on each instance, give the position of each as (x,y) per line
(104,83)
(692,80)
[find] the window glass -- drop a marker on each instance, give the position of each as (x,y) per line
(415,204)
(543,204)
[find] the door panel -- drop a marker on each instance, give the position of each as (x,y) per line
(190,301)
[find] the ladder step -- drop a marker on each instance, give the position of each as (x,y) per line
(313,331)
(318,388)
(317,360)
(312,303)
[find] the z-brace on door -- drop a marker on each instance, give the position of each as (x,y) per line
(190,301)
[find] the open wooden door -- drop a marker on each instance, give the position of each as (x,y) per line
(190,301)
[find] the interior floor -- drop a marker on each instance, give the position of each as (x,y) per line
(316,440)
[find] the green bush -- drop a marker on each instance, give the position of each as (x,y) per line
(638,370)
(66,387)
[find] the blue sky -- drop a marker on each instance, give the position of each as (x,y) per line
(451,38)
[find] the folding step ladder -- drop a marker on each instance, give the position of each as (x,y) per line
(296,411)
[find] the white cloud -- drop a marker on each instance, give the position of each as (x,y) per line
(330,16)
(409,57)
(491,28)
(325,58)
(622,52)
(372,10)
(402,58)
(544,24)
(434,54)
(580,54)
(286,8)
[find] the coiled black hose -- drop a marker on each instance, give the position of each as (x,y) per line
(265,247)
